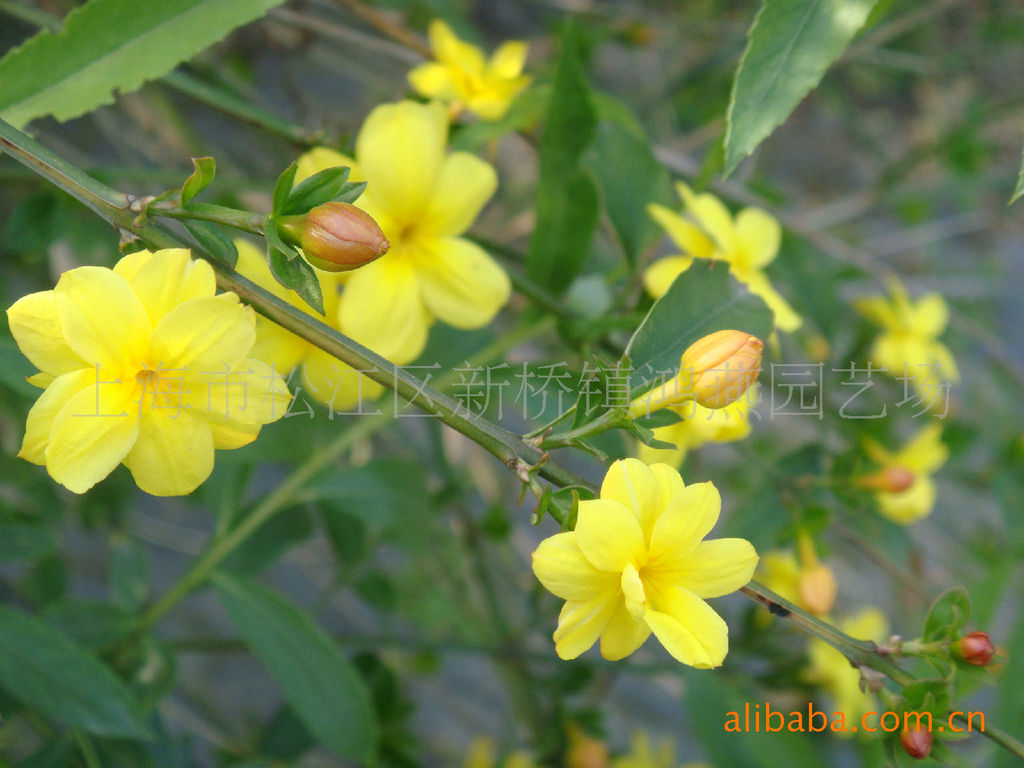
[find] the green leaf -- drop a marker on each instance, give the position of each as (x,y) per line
(212,239)
(386,492)
(948,615)
(702,300)
(129,575)
(318,681)
(283,188)
(93,624)
(1019,189)
(24,541)
(630,178)
(111,45)
(319,188)
(567,198)
(205,170)
(270,541)
(791,44)
(58,679)
(15,368)
(297,275)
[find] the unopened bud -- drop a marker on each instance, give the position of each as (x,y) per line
(889,479)
(721,367)
(586,752)
(335,237)
(817,588)
(917,742)
(975,648)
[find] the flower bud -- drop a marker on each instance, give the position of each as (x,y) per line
(888,479)
(917,742)
(585,752)
(335,237)
(975,648)
(817,588)
(721,366)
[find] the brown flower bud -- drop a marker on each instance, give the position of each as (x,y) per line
(721,367)
(817,588)
(975,648)
(917,742)
(335,237)
(889,479)
(585,752)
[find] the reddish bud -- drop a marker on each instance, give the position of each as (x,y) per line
(336,237)
(975,648)
(917,743)
(889,479)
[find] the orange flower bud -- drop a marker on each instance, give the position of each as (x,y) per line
(917,743)
(889,479)
(817,587)
(335,237)
(975,648)
(721,367)
(585,752)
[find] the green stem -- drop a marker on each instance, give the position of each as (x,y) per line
(607,420)
(219,214)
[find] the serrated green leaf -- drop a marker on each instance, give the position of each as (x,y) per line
(948,615)
(283,187)
(213,240)
(567,199)
(205,170)
(317,680)
(109,46)
(58,679)
(790,46)
(295,274)
(699,302)
(319,188)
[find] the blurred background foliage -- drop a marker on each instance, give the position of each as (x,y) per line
(411,552)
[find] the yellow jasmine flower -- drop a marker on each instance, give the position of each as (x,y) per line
(831,669)
(903,487)
(748,243)
(636,564)
(806,582)
(699,425)
(908,344)
(423,200)
(144,365)
(482,753)
(327,379)
(463,78)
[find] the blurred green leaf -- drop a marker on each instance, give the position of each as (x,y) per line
(270,541)
(346,532)
(129,575)
(702,300)
(15,368)
(92,624)
(61,681)
(46,581)
(791,44)
(109,46)
(318,681)
(386,492)
(24,541)
(205,170)
(948,615)
(567,199)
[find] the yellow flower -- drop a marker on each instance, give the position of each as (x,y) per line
(807,582)
(830,669)
(463,78)
(903,487)
(636,564)
(423,200)
(324,377)
(700,425)
(144,365)
(748,243)
(482,753)
(908,344)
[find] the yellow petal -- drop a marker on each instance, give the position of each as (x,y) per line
(910,505)
(561,567)
(452,51)
(337,385)
(687,519)
(433,80)
(684,233)
(229,435)
(658,277)
(929,316)
(463,187)
(102,318)
(866,624)
(165,279)
(250,394)
(203,337)
(609,535)
(878,310)
(42,379)
(461,285)
(36,329)
(689,629)
(780,572)
(712,216)
(382,309)
(92,434)
(669,456)
(320,159)
(633,591)
(786,318)
(507,62)
(581,623)
(758,236)
(623,634)
(715,568)
(670,482)
(634,485)
(925,452)
(400,150)
(173,454)
(45,410)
